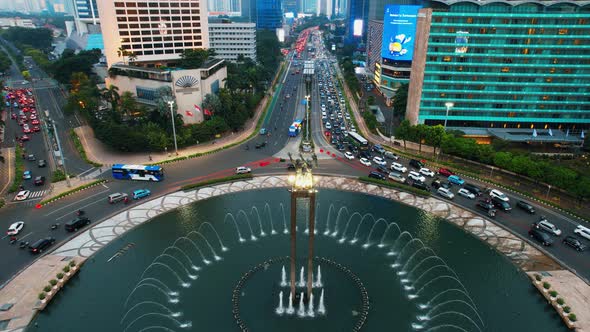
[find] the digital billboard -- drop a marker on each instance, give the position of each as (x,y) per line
(357,28)
(399,31)
(461,41)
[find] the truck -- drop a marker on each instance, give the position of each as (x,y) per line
(295,128)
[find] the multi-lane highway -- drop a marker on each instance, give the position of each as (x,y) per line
(262,161)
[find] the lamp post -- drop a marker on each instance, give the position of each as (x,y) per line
(171,104)
(448,105)
(307,117)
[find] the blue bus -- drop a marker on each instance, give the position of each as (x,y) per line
(137,172)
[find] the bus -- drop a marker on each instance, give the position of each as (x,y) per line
(357,140)
(137,172)
(295,128)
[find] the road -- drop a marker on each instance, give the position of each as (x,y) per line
(223,163)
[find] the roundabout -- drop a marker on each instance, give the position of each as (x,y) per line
(212,259)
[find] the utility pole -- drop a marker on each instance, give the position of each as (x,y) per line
(61,153)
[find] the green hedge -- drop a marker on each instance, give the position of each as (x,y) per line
(80,148)
(58,175)
(2,202)
(71,191)
(19,168)
(230,178)
(395,185)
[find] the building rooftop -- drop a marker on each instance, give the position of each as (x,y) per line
(206,65)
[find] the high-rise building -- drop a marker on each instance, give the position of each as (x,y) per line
(291,6)
(269,14)
(86,13)
(225,7)
(325,7)
(155,33)
(357,14)
(230,40)
(487,65)
(309,6)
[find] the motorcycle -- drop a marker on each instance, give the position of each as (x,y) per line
(80,213)
(23,244)
(54,227)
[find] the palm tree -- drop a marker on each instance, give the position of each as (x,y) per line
(122,53)
(132,57)
(111,95)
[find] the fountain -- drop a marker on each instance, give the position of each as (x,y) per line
(280,309)
(290,309)
(301,282)
(301,310)
(321,305)
(283,277)
(318,282)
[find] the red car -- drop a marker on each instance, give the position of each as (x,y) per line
(36,129)
(445,172)
(33,116)
(35,122)
(25,138)
(26,130)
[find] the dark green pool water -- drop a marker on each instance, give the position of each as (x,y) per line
(475,288)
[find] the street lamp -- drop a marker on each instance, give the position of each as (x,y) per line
(307,117)
(448,105)
(171,104)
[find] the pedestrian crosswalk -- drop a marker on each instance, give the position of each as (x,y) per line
(38,193)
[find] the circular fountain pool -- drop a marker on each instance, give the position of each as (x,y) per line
(419,273)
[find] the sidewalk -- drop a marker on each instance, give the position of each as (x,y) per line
(6,170)
(100,153)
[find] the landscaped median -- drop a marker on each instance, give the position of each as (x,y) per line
(231,178)
(19,168)
(395,185)
(70,192)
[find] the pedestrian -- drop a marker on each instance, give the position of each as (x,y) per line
(150,157)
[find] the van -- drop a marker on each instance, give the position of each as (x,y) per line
(116,197)
(74,225)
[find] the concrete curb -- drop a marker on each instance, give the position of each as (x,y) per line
(74,191)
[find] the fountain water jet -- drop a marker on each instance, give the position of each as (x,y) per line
(318,282)
(280,309)
(310,312)
(301,282)
(301,310)
(321,306)
(290,309)
(283,277)
(159,305)
(223,248)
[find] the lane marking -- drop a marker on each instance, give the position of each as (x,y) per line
(79,208)
(67,206)
(22,238)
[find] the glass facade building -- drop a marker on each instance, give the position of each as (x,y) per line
(269,14)
(503,65)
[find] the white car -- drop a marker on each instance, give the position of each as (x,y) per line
(398,167)
(416,176)
(466,193)
(365,162)
(425,171)
(379,161)
(349,155)
(500,195)
(328,125)
(446,193)
(583,231)
(22,195)
(243,170)
(15,228)
(548,227)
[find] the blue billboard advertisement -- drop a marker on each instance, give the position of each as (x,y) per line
(399,31)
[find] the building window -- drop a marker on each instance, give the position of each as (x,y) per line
(470,20)
(505,69)
(562,31)
(447,58)
(146,93)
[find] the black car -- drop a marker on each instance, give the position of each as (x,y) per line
(377,175)
(438,183)
(74,225)
(382,169)
(416,163)
(526,206)
(39,180)
(41,163)
(473,188)
(540,236)
(41,245)
(574,243)
(365,154)
(500,204)
(420,185)
(487,206)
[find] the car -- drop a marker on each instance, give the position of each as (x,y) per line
(455,179)
(574,243)
(390,155)
(416,176)
(379,161)
(497,193)
(540,236)
(36,129)
(426,172)
(41,163)
(260,145)
(27,175)
(377,175)
(487,206)
(243,170)
(365,162)
(378,148)
(41,245)
(583,232)
(420,185)
(15,228)
(348,155)
(24,138)
(328,125)
(544,225)
(74,225)
(523,205)
(33,116)
(502,205)
(116,197)
(382,169)
(416,163)
(395,176)
(140,193)
(445,172)
(22,195)
(446,193)
(466,193)
(26,129)
(35,122)
(39,180)
(473,188)
(263,131)
(398,167)
(31,157)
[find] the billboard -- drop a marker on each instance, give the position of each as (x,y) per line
(399,31)
(461,41)
(357,28)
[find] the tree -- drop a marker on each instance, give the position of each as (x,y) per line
(503,159)
(434,136)
(38,38)
(121,52)
(111,95)
(403,131)
(211,102)
(420,132)
(127,103)
(400,100)
(191,59)
(132,57)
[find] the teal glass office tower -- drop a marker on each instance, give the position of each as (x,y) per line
(502,64)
